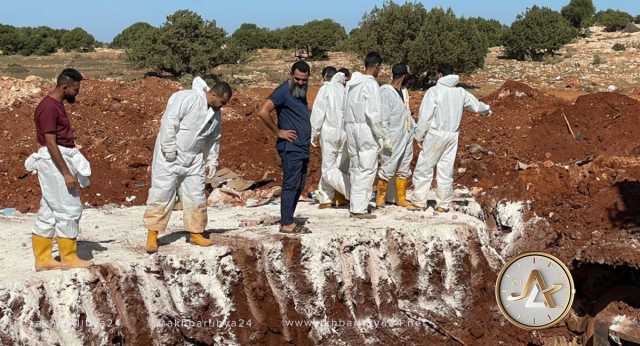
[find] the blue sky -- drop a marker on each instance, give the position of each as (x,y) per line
(106,18)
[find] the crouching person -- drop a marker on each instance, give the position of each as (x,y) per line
(186,152)
(62,170)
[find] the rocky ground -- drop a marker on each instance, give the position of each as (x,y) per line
(585,66)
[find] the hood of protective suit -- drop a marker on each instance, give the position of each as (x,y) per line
(450,81)
(338,78)
(200,85)
(358,78)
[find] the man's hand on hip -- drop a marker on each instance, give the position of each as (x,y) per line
(288,135)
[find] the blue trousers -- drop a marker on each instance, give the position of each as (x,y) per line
(294,171)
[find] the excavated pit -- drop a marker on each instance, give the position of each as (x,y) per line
(416,278)
(607,304)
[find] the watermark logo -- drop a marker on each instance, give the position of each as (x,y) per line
(535,291)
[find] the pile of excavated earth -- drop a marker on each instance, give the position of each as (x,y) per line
(541,173)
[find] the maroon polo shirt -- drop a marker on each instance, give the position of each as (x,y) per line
(50,117)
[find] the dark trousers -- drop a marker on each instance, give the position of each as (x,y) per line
(294,171)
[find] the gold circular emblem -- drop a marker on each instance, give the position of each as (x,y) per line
(535,290)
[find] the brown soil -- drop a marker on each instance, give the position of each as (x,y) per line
(116,124)
(115,129)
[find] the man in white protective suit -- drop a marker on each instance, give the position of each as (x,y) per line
(399,126)
(365,134)
(186,152)
(62,170)
(327,124)
(440,115)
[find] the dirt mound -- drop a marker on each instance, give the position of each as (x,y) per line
(603,124)
(491,146)
(116,124)
(526,152)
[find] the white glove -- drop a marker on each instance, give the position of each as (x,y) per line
(387,145)
(211,170)
(378,131)
(170,156)
(486,113)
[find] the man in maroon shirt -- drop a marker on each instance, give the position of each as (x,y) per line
(62,170)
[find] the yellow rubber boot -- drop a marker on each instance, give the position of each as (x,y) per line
(200,240)
(401,194)
(42,252)
(340,200)
(381,193)
(324,205)
(69,254)
(152,242)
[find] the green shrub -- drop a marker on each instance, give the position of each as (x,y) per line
(40,40)
(287,38)
(389,30)
(619,47)
(36,41)
(131,34)
(250,37)
(537,32)
(492,30)
(315,38)
(444,38)
(320,36)
(423,39)
(186,43)
(579,13)
(613,20)
(77,40)
(8,40)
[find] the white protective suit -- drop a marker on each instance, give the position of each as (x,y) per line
(399,126)
(327,120)
(440,115)
(190,127)
(365,137)
(60,209)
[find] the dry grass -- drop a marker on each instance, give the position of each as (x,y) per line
(103,63)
